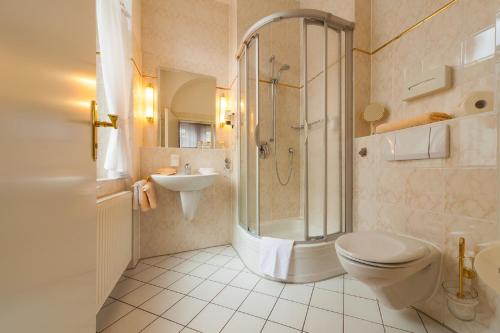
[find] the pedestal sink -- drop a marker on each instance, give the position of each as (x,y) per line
(487,265)
(189,186)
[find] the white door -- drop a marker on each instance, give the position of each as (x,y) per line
(47,176)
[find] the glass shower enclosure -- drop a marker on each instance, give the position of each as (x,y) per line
(295,126)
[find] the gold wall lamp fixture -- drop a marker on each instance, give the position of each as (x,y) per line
(463,272)
(97,123)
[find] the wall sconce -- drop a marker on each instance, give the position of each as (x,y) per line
(222,110)
(149,96)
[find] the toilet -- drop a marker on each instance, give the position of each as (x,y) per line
(400,270)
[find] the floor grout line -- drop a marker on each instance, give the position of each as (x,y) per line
(228,284)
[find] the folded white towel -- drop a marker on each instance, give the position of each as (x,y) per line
(140,199)
(275,256)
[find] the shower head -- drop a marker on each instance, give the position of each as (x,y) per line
(283,68)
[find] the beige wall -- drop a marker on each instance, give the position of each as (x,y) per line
(437,200)
(164,229)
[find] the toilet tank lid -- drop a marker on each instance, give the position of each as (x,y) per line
(380,247)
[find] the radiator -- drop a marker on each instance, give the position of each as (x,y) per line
(114,241)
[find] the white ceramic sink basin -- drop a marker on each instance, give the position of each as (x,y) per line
(189,186)
(181,182)
(487,265)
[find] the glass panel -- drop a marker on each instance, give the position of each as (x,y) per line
(242,195)
(334,131)
(251,147)
(316,132)
(279,135)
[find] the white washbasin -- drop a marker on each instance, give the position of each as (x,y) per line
(189,186)
(487,265)
(181,182)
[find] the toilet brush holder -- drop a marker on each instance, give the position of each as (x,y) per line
(463,308)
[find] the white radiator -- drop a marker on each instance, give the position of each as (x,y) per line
(114,241)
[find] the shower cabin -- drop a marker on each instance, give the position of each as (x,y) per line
(295,138)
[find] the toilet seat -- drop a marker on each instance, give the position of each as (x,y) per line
(381,249)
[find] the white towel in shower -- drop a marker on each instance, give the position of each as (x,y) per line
(275,256)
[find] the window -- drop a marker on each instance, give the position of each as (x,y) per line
(194,135)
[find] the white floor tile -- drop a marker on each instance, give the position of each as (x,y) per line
(271,327)
(161,302)
(235,264)
(322,321)
(349,277)
(162,325)
(357,288)
(334,284)
(219,260)
(354,325)
(111,313)
(269,287)
(185,284)
(297,292)
(207,290)
(245,280)
(149,274)
(139,268)
(389,329)
(202,257)
(289,313)
(184,310)
(186,267)
(188,330)
(229,251)
(433,326)
(153,260)
(223,275)
(186,255)
(204,270)
(231,297)
(133,322)
(362,308)
(328,300)
(169,262)
(243,323)
(166,279)
(211,319)
(216,249)
(259,305)
(124,287)
(406,319)
(108,301)
(141,294)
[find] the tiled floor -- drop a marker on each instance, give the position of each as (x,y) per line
(210,290)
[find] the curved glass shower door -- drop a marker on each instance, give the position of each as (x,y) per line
(295,129)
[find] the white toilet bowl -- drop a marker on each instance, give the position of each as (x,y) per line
(400,270)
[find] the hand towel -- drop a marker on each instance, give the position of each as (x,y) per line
(149,190)
(166,171)
(423,119)
(275,256)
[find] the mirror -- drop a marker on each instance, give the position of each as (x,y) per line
(186,109)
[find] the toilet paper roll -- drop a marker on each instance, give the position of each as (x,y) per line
(479,101)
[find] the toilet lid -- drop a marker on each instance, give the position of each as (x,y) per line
(380,247)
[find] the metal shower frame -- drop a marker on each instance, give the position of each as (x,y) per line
(338,24)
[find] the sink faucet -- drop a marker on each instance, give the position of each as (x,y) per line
(187,169)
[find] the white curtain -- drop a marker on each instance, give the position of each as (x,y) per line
(114,44)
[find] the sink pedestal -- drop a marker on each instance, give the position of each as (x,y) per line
(190,200)
(189,186)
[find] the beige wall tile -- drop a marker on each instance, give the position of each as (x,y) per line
(471,192)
